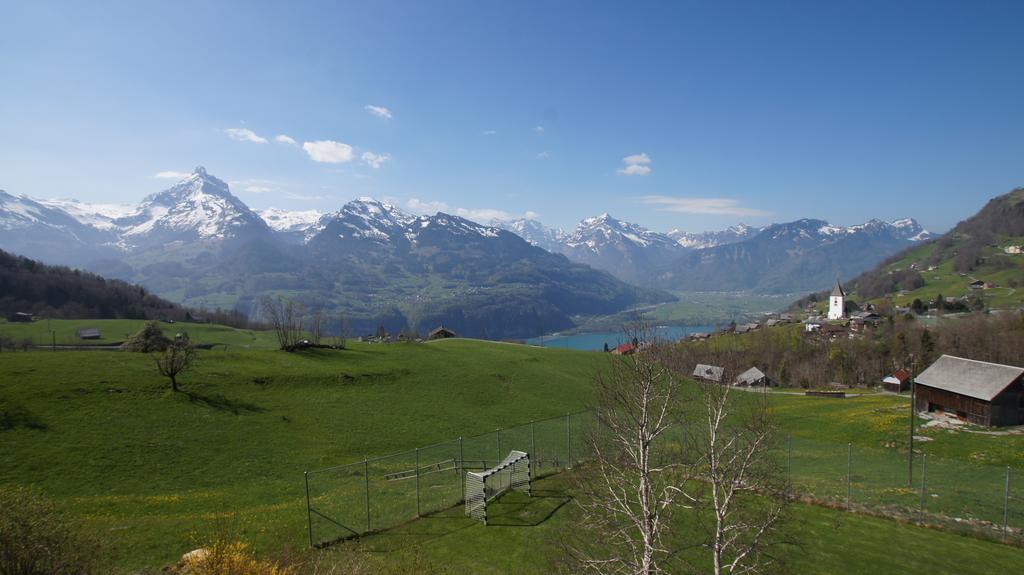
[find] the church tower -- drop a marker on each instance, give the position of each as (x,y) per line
(837,302)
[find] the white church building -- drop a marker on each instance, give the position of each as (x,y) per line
(837,302)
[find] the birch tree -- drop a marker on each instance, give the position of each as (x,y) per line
(634,484)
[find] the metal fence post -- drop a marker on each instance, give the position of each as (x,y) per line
(789,465)
(417,482)
(849,472)
(1006,504)
(366,486)
(924,470)
(533,448)
(309,515)
(462,469)
(568,441)
(498,437)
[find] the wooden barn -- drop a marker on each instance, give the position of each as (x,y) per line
(978,392)
(440,333)
(753,377)
(709,372)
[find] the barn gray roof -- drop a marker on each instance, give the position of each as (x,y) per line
(750,376)
(977,379)
(709,372)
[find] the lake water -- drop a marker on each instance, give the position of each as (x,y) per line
(595,341)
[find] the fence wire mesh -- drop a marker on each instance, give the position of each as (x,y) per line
(384,492)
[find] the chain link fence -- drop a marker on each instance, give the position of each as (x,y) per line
(384,492)
(380,493)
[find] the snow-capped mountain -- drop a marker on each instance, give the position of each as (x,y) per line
(199,207)
(626,250)
(48,232)
(290,221)
(798,256)
(700,240)
(534,232)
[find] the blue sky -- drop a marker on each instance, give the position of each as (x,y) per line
(669,114)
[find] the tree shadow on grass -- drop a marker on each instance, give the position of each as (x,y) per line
(519,510)
(221,403)
(13,416)
(510,510)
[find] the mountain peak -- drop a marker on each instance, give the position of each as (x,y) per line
(199,171)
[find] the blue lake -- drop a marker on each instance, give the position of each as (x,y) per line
(595,341)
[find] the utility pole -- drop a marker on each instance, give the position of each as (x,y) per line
(913,416)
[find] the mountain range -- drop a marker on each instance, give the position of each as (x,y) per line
(198,244)
(789,257)
(369,262)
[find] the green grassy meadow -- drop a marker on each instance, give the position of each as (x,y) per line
(113,331)
(151,470)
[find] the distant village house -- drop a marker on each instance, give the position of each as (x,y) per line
(709,372)
(20,317)
(440,333)
(88,333)
(897,382)
(753,377)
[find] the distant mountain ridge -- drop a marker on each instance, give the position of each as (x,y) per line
(778,258)
(369,262)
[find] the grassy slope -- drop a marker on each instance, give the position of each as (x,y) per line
(717,308)
(524,535)
(948,283)
(104,434)
(117,330)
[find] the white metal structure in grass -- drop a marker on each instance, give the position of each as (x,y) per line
(482,487)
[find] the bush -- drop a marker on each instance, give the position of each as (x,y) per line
(227,557)
(37,539)
(150,338)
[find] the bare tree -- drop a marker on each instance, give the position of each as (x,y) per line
(741,501)
(316,327)
(285,316)
(176,358)
(629,498)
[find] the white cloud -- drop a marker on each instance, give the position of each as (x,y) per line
(375,160)
(539,129)
(328,151)
(707,206)
(531,215)
(422,207)
(283,139)
(245,135)
(489,132)
(635,165)
(484,215)
(172,175)
(544,155)
(304,198)
(379,111)
(258,189)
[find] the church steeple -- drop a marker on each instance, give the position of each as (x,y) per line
(838,290)
(837,302)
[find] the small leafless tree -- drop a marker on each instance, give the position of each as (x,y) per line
(342,340)
(316,327)
(285,316)
(176,358)
(740,502)
(636,482)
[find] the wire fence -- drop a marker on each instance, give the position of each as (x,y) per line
(384,492)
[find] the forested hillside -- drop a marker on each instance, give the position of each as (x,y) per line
(28,286)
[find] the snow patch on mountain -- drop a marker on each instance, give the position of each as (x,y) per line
(290,221)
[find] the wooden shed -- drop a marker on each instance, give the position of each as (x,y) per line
(978,392)
(709,372)
(440,333)
(897,382)
(753,377)
(88,333)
